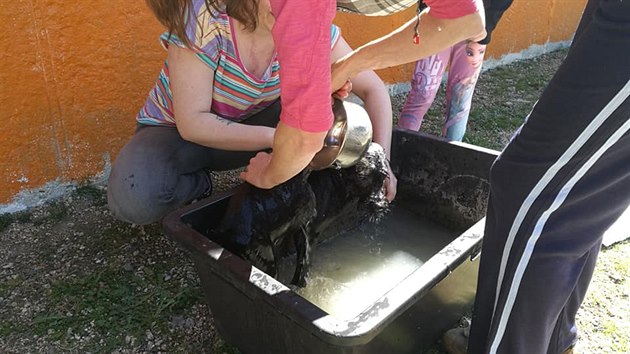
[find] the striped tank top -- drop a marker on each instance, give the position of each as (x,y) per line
(237,94)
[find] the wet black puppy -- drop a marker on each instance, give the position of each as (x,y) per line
(308,209)
(258,222)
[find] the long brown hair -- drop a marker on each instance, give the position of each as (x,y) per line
(172,13)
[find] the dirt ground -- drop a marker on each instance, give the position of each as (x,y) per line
(74,280)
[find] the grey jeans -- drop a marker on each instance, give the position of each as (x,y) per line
(157,171)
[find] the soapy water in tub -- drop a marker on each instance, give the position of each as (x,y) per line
(353,270)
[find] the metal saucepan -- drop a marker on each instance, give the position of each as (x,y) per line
(348,139)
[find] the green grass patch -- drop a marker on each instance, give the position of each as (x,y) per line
(92,192)
(5,221)
(114,303)
(10,284)
(487,123)
(622,264)
(89,190)
(7,328)
(9,218)
(23,216)
(55,212)
(611,330)
(110,239)
(224,348)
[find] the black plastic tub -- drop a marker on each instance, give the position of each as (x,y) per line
(446,183)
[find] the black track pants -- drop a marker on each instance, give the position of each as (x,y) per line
(555,189)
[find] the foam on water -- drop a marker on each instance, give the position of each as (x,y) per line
(353,270)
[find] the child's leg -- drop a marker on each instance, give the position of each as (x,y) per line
(462,78)
(426,80)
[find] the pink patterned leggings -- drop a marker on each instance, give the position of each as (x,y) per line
(464,60)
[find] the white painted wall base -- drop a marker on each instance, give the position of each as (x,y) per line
(29,198)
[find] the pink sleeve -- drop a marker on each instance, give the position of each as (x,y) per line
(302,38)
(449,9)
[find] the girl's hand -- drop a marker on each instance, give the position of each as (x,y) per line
(344,91)
(390,184)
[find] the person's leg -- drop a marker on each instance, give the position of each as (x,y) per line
(158,171)
(566,329)
(426,80)
(462,78)
(547,264)
(559,184)
(587,16)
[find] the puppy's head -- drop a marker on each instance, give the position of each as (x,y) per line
(365,180)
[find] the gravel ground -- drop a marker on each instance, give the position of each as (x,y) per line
(75,280)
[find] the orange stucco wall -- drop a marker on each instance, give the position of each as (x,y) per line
(73,76)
